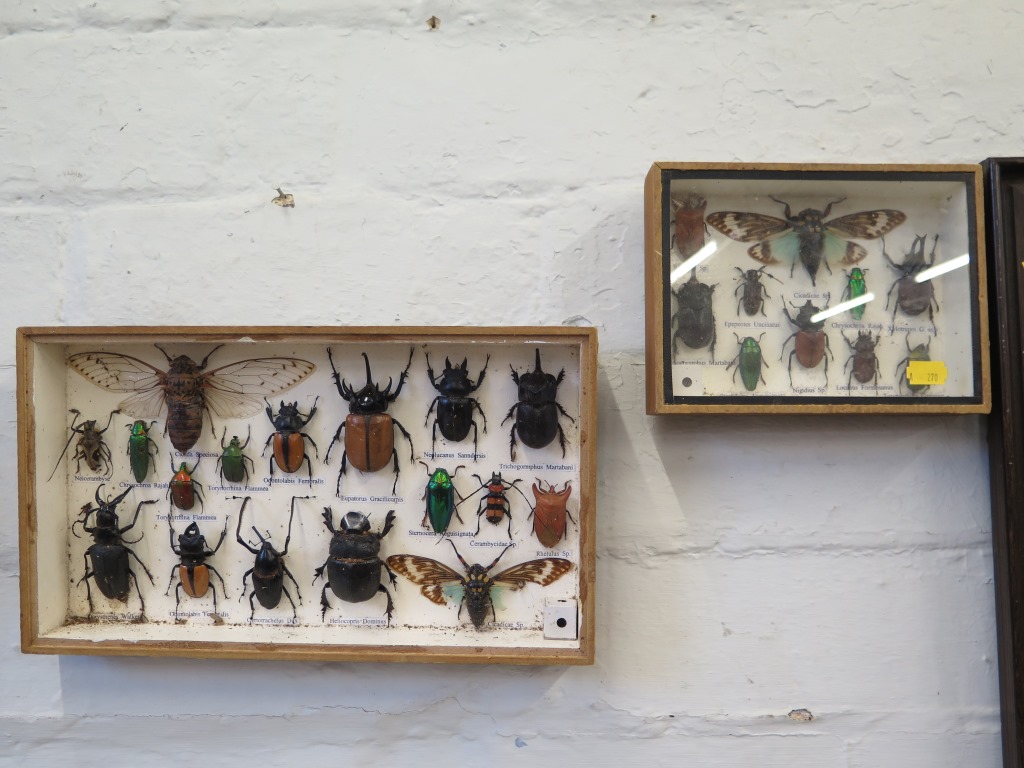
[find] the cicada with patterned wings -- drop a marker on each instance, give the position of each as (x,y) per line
(187,390)
(476,590)
(806,237)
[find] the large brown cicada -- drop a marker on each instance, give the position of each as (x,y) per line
(187,390)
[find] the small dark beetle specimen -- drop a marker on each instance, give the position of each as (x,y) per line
(269,570)
(918,353)
(232,460)
(353,565)
(90,446)
(912,297)
(193,573)
(454,404)
(369,433)
(753,291)
(537,410)
(289,448)
(111,569)
(863,363)
(138,449)
(695,318)
(811,342)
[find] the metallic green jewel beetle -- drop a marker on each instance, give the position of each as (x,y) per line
(748,361)
(138,449)
(856,286)
(440,496)
(232,460)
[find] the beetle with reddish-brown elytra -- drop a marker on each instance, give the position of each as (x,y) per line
(810,341)
(863,362)
(550,513)
(182,490)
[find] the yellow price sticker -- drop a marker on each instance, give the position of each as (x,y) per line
(931,373)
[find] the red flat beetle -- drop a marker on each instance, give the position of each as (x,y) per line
(549,514)
(690,227)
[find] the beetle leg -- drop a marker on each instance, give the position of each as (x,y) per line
(85,578)
(244,577)
(289,575)
(391,574)
(177,600)
(337,437)
(262,453)
(150,575)
(508,513)
(397,471)
(344,459)
(408,437)
(562,410)
(430,410)
(222,586)
(252,605)
(174,570)
(391,603)
(213,589)
(512,443)
(295,611)
(138,591)
(561,435)
(324,605)
(319,572)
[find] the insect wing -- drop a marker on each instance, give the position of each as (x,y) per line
(747,227)
(836,249)
(236,390)
(543,571)
(122,373)
(783,248)
(435,579)
(866,225)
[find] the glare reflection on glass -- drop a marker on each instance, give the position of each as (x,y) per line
(942,268)
(691,263)
(842,307)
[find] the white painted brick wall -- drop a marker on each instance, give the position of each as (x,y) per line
(490,172)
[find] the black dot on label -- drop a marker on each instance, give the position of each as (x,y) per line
(561,623)
(687,381)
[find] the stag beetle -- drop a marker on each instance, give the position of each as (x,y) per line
(353,566)
(863,362)
(90,445)
(537,409)
(289,448)
(193,573)
(138,449)
(369,437)
(269,569)
(454,404)
(111,569)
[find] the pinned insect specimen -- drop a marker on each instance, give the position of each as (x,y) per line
(90,446)
(476,590)
(688,236)
(806,237)
(912,297)
(748,361)
(863,362)
(186,390)
(810,341)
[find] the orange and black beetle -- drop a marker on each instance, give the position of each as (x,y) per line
(193,573)
(289,448)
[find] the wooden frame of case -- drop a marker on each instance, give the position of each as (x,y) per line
(749,187)
(1004,187)
(43,376)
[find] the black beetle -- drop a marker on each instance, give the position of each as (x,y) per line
(193,573)
(912,297)
(811,342)
(288,437)
(369,433)
(90,445)
(111,569)
(695,318)
(353,566)
(537,409)
(863,361)
(454,404)
(269,569)
(754,292)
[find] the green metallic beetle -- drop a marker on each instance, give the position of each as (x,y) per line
(138,449)
(856,286)
(232,460)
(748,361)
(440,496)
